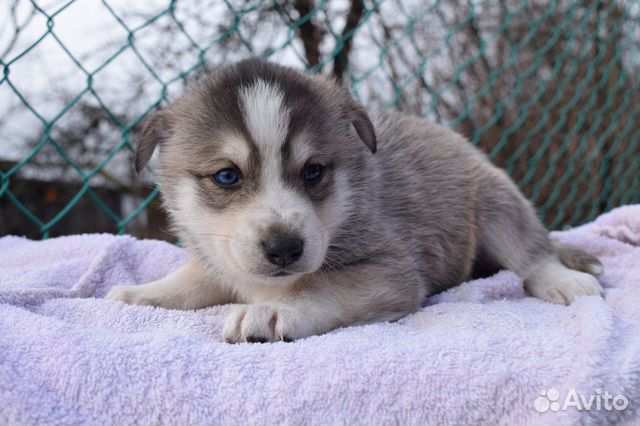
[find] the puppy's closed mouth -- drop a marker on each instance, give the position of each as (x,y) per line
(282,273)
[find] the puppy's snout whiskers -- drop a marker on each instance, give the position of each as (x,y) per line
(333,260)
(218,237)
(330,226)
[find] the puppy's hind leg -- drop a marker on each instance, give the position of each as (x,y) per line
(579,260)
(511,235)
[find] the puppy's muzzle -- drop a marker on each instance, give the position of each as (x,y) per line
(282,250)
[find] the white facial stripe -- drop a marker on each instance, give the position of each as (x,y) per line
(265,115)
(267,120)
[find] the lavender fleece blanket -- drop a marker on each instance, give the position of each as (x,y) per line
(481,353)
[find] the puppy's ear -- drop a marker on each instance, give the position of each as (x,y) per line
(155,129)
(364,127)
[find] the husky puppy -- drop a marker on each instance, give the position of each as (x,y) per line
(311,214)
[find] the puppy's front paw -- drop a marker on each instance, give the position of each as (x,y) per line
(130,295)
(264,323)
(558,284)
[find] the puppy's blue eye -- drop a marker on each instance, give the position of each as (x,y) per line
(312,173)
(227,178)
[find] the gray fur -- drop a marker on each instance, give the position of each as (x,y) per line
(423,213)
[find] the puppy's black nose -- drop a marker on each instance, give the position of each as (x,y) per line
(282,250)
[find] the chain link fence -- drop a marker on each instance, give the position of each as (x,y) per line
(548,88)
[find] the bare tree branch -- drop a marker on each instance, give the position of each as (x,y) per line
(310,34)
(17,26)
(341,61)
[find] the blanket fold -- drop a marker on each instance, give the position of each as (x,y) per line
(481,353)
